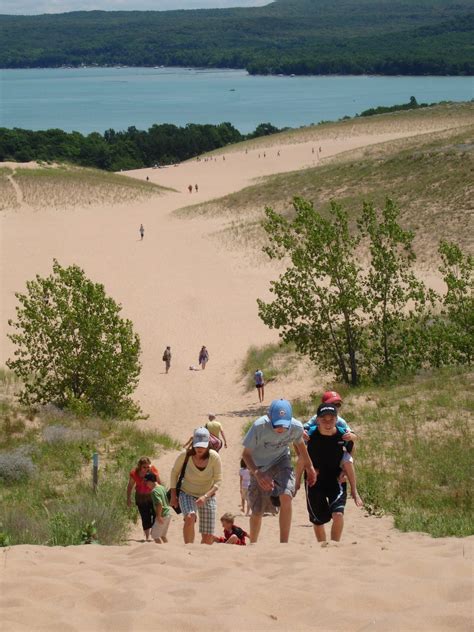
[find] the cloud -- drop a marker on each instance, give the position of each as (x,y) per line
(34,7)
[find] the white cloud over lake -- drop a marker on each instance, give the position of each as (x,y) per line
(34,7)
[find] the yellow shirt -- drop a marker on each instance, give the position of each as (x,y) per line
(197,482)
(214,428)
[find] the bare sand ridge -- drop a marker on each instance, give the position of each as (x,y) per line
(182,290)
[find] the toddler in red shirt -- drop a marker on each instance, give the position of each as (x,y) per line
(232,533)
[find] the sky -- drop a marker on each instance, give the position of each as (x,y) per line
(34,7)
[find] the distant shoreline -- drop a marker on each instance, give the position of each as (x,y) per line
(216,69)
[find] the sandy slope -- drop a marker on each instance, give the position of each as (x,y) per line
(181,290)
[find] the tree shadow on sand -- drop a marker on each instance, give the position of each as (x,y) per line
(251,411)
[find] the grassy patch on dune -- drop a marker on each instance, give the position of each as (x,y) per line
(414,457)
(60,186)
(273,359)
(441,115)
(431,180)
(46,494)
(7,192)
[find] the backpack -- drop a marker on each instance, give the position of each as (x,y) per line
(214,442)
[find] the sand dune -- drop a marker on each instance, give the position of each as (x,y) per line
(179,289)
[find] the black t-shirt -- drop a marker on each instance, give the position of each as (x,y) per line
(326,453)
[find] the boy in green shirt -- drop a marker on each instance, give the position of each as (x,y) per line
(162,509)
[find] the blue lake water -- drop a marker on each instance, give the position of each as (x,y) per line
(96,99)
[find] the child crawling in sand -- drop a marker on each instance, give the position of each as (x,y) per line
(232,533)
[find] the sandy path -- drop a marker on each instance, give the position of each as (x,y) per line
(179,289)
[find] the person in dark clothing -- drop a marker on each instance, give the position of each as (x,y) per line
(326,499)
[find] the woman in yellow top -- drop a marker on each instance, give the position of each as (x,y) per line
(202,478)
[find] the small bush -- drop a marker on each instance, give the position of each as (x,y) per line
(57,434)
(16,466)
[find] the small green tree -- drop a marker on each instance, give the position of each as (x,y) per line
(453,334)
(396,299)
(319,299)
(363,321)
(72,347)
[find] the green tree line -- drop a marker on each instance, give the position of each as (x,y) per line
(130,149)
(409,37)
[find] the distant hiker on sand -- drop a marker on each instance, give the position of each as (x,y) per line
(326,499)
(215,429)
(202,476)
(142,232)
(167,358)
(190,188)
(244,478)
(196,188)
(215,432)
(267,455)
(203,357)
(260,384)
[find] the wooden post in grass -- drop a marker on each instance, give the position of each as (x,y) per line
(95,471)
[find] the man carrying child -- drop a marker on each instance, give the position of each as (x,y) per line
(326,499)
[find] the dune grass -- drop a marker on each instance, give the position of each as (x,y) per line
(448,114)
(273,359)
(61,186)
(46,494)
(414,456)
(430,177)
(7,192)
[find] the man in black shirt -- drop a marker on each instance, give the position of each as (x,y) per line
(327,498)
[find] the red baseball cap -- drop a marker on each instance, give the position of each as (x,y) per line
(331,397)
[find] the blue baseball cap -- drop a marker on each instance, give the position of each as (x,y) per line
(280,413)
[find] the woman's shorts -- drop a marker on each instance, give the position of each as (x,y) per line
(284,483)
(159,530)
(206,513)
(257,386)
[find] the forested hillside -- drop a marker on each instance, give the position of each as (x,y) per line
(115,150)
(287,36)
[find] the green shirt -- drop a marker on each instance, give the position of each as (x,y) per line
(159,497)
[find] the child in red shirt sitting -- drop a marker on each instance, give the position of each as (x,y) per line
(232,533)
